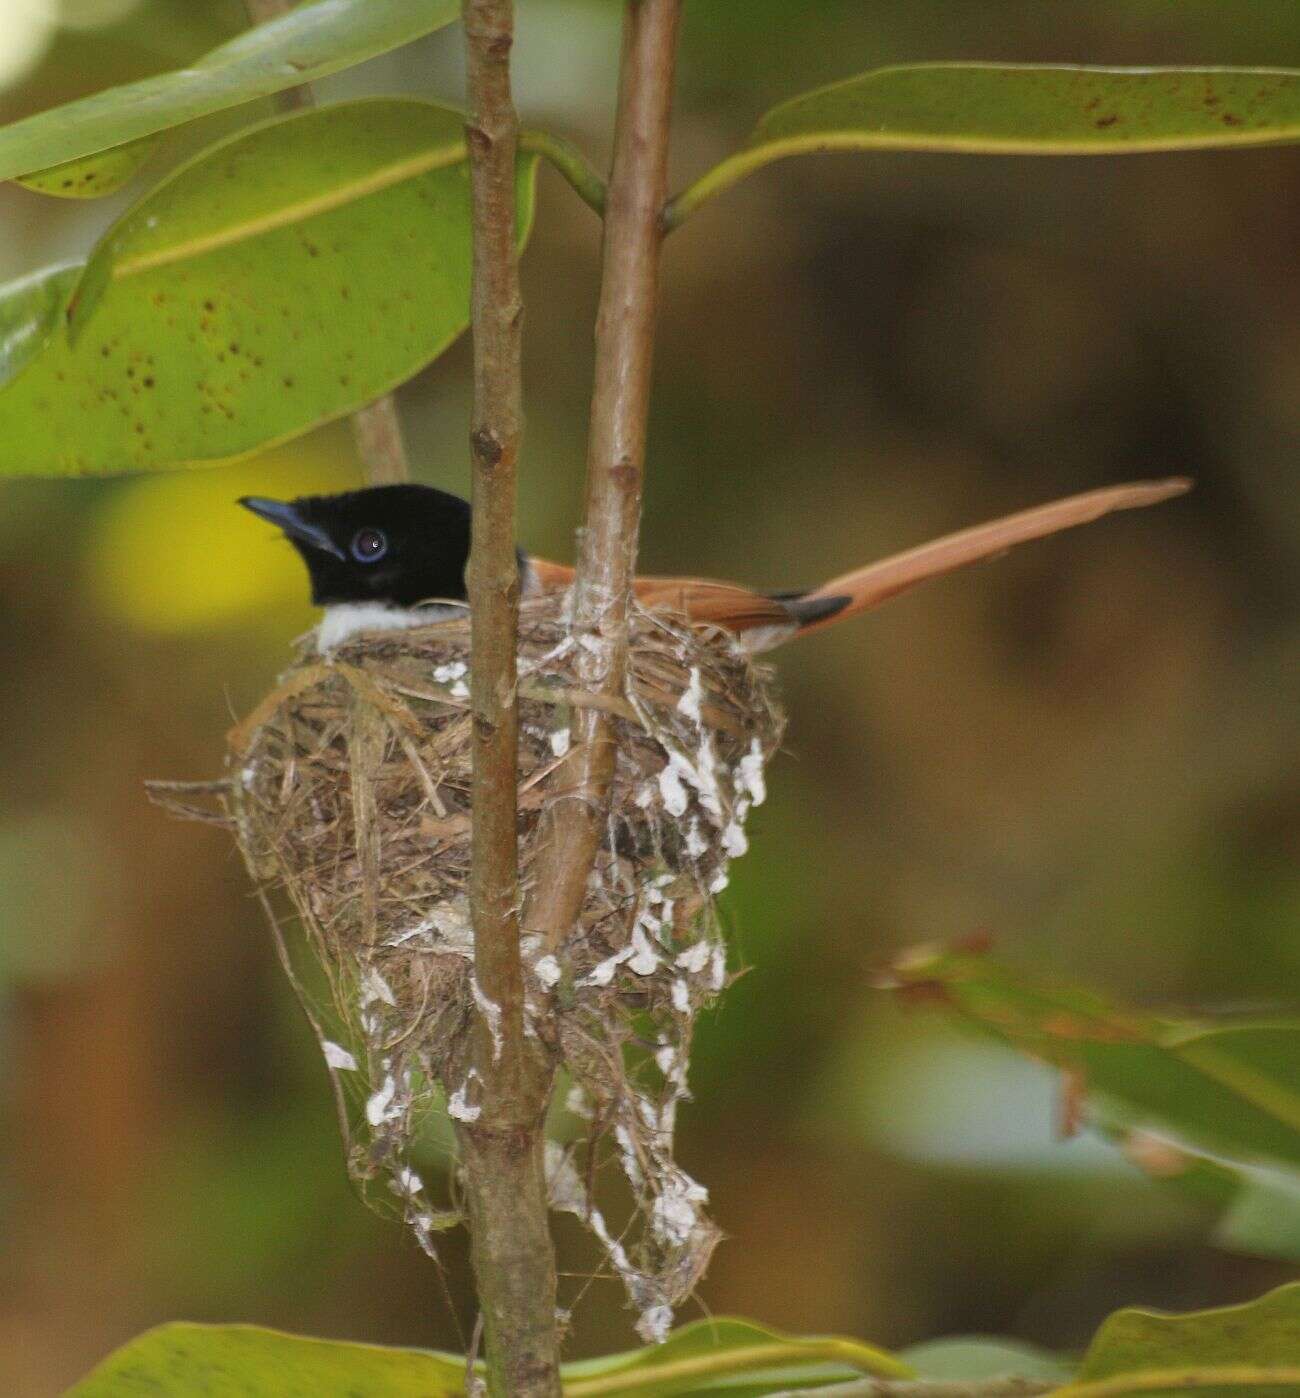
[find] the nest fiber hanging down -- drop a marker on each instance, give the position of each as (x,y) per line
(351,789)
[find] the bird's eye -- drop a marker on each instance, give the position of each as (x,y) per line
(369,545)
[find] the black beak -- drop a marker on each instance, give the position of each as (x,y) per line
(286,517)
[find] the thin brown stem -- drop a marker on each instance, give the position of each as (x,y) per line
(259,11)
(502,1149)
(376,429)
(625,324)
(377,432)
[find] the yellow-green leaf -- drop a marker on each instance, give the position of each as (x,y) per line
(1222,1353)
(311,41)
(1019,109)
(232,1361)
(1043,109)
(282,278)
(91,176)
(973,1357)
(707,1352)
(31,311)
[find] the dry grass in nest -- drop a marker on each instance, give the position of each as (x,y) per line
(350,789)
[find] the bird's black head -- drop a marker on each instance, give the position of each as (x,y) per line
(391,544)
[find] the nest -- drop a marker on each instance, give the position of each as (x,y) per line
(350,789)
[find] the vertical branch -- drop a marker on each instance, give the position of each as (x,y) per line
(376,428)
(377,432)
(625,323)
(502,1149)
(493,572)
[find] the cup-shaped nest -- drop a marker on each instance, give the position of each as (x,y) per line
(350,788)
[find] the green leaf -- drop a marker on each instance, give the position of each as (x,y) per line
(222,1361)
(976,1357)
(1019,109)
(1232,1091)
(31,310)
(91,176)
(1033,110)
(232,1361)
(284,277)
(699,1358)
(1263,1217)
(310,42)
(1259,1205)
(1252,1348)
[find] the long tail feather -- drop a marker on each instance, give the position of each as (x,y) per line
(877,582)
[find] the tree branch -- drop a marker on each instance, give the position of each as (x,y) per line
(573,821)
(502,1149)
(376,429)
(377,432)
(493,573)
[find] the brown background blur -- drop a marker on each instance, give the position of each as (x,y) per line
(1088,749)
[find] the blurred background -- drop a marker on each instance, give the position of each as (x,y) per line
(1088,749)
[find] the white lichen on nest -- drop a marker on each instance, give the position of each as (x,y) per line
(351,790)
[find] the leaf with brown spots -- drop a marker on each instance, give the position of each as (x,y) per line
(92,176)
(282,278)
(1019,109)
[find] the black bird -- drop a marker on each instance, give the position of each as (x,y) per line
(395,555)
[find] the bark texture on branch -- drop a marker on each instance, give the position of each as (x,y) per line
(574,821)
(376,429)
(501,1151)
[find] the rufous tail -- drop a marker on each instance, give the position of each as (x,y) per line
(762,620)
(868,587)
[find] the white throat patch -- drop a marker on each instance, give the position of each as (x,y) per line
(344,620)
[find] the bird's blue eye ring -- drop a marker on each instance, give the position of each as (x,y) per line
(369,545)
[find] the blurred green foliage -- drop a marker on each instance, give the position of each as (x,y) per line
(1089,749)
(1212,1106)
(1249,1349)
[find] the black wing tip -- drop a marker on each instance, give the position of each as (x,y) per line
(807,611)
